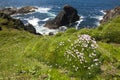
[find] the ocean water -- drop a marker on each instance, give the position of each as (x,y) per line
(91,11)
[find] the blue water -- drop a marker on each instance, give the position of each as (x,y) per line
(90,10)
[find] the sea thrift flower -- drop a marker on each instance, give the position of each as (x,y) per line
(83,54)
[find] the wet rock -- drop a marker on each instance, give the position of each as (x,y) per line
(23,10)
(26,9)
(30,28)
(66,17)
(110,14)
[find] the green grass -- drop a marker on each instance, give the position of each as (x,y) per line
(24,56)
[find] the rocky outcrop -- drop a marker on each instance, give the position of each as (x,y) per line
(11,22)
(23,10)
(30,28)
(110,14)
(15,23)
(67,16)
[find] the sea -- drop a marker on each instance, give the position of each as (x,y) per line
(91,11)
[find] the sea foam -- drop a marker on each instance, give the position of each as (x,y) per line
(42,9)
(79,21)
(40,28)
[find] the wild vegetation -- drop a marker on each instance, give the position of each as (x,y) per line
(84,54)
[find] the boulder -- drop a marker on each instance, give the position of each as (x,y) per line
(66,17)
(23,10)
(110,14)
(30,28)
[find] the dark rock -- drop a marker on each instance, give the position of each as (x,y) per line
(8,11)
(110,14)
(66,17)
(23,10)
(26,9)
(0,29)
(30,28)
(38,34)
(51,33)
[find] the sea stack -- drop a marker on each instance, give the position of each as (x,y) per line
(66,17)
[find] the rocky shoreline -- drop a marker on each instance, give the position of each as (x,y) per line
(66,17)
(110,14)
(22,10)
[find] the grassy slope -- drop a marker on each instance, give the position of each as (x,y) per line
(24,56)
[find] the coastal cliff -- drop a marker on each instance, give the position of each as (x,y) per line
(110,14)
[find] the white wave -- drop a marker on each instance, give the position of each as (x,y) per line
(103,12)
(40,28)
(33,21)
(97,17)
(45,31)
(45,10)
(46,19)
(42,9)
(51,14)
(78,22)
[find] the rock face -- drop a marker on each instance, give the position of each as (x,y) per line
(67,16)
(15,23)
(23,10)
(110,14)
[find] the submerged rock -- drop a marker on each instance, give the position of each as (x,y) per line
(23,10)
(66,17)
(110,14)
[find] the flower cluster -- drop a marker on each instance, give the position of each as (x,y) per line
(83,55)
(61,44)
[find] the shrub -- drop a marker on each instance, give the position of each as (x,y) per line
(83,57)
